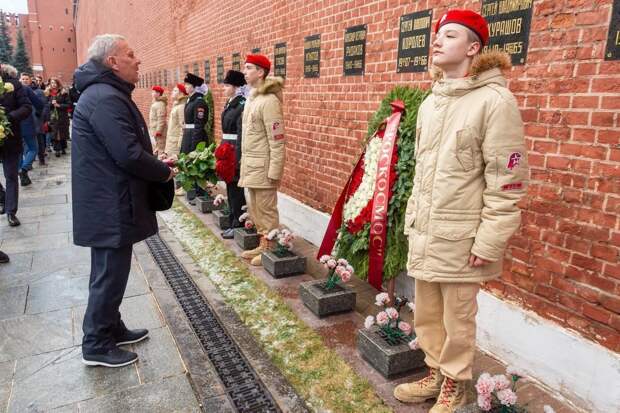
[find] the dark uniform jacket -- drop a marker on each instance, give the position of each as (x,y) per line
(18,108)
(196,115)
(232,117)
(112,163)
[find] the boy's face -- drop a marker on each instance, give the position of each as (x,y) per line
(253,74)
(453,45)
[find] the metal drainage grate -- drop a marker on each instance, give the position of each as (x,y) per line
(245,389)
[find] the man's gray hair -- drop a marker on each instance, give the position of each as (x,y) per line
(8,70)
(103,46)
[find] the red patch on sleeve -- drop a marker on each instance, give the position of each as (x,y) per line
(278,137)
(514,160)
(513,187)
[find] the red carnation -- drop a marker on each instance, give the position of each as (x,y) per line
(225,151)
(226,164)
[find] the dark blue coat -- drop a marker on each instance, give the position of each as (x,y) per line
(17,108)
(29,126)
(112,163)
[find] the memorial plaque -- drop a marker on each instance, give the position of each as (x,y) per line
(196,69)
(178,75)
(509,27)
(165,77)
(207,71)
(612,51)
(160,77)
(414,41)
(312,56)
(256,50)
(220,69)
(279,58)
(186,68)
(354,50)
(236,62)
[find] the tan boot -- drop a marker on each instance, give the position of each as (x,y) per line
(421,390)
(250,254)
(452,397)
(258,260)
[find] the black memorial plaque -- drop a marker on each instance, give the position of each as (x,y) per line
(207,71)
(165,77)
(612,51)
(414,42)
(220,69)
(256,50)
(354,50)
(312,56)
(279,58)
(196,69)
(509,27)
(186,68)
(236,61)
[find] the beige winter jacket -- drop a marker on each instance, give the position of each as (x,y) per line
(175,126)
(471,170)
(157,117)
(262,146)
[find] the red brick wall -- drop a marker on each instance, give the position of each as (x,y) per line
(563,263)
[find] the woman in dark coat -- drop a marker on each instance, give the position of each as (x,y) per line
(231,128)
(59,105)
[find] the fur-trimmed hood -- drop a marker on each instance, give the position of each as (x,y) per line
(180,99)
(162,98)
(271,85)
(485,68)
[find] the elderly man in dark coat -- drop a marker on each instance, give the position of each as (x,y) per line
(113,169)
(18,108)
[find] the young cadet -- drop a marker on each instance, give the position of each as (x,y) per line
(471,170)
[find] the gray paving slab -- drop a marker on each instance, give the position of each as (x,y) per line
(59,378)
(35,243)
(35,334)
(55,226)
(44,200)
(18,264)
(157,361)
(12,302)
(59,258)
(170,395)
(57,294)
(28,278)
(24,230)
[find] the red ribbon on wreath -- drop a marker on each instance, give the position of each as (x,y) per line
(226,162)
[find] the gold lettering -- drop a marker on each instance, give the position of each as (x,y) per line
(509,6)
(406,25)
(355,50)
(506,27)
(413,42)
(312,56)
(489,9)
(618,38)
(422,23)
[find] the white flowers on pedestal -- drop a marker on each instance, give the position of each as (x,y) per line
(366,190)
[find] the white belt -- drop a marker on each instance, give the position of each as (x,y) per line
(189,126)
(229,136)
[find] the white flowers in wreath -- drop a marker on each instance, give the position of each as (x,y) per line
(366,190)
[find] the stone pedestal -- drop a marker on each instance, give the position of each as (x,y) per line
(205,204)
(190,195)
(470,408)
(280,267)
(389,360)
(222,220)
(323,303)
(245,239)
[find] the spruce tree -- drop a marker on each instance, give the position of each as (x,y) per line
(21,61)
(6,49)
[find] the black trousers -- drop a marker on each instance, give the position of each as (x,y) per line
(10,196)
(109,272)
(42,146)
(236,201)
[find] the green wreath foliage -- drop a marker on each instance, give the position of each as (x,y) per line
(209,126)
(197,167)
(354,247)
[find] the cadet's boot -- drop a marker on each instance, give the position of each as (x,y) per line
(250,254)
(452,397)
(258,260)
(421,390)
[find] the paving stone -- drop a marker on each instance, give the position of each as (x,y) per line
(170,395)
(59,378)
(12,302)
(55,226)
(137,312)
(75,270)
(220,404)
(57,294)
(6,372)
(35,334)
(18,264)
(35,243)
(159,357)
(24,230)
(136,284)
(59,258)
(44,200)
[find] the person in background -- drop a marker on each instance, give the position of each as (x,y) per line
(234,89)
(59,105)
(17,108)
(175,126)
(157,119)
(29,129)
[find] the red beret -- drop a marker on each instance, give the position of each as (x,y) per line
(469,19)
(259,60)
(181,87)
(158,89)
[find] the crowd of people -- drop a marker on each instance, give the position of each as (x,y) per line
(471,170)
(39,112)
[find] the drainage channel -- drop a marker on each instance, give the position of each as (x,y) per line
(243,386)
